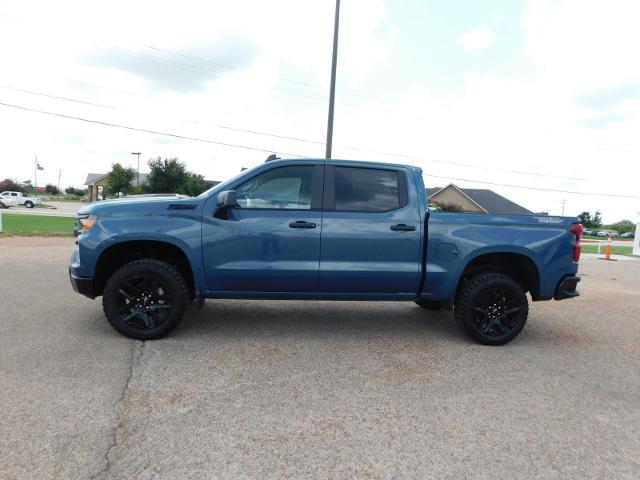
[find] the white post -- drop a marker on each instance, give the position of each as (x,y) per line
(636,241)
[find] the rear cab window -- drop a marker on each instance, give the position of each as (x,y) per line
(368,190)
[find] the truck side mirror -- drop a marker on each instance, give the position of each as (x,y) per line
(226,200)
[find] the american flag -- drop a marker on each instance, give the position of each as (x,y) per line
(40,167)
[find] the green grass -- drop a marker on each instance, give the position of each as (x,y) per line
(614,249)
(17,224)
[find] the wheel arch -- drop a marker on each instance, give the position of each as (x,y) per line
(519,266)
(121,253)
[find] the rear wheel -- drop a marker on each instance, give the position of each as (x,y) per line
(145,299)
(492,308)
(28,204)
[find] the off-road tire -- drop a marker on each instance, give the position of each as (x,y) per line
(470,312)
(171,281)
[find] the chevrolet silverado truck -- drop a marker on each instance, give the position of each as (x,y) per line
(320,230)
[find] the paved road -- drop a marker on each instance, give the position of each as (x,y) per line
(314,390)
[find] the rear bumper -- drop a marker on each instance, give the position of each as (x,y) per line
(567,288)
(82,285)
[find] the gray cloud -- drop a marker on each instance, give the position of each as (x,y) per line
(181,69)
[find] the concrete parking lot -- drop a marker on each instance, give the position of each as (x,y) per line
(247,389)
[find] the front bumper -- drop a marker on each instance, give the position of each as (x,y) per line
(567,288)
(82,285)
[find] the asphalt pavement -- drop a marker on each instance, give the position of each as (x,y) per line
(279,389)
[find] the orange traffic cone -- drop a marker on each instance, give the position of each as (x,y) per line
(607,252)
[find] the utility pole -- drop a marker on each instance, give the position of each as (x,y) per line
(35,175)
(563,202)
(59,176)
(332,88)
(138,176)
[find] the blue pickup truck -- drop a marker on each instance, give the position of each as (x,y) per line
(320,230)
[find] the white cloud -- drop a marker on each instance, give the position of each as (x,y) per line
(477,38)
(573,111)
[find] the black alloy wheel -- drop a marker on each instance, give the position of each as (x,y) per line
(492,308)
(145,299)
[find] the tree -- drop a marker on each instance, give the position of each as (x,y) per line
(10,184)
(119,180)
(585,219)
(51,189)
(596,221)
(166,176)
(194,185)
(75,191)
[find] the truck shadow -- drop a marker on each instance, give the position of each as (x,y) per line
(318,319)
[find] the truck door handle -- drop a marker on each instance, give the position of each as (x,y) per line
(403,227)
(302,224)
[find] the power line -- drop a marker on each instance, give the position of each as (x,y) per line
(297,139)
(144,130)
(541,189)
(245,147)
(31,92)
(236,67)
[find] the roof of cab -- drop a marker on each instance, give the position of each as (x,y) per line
(354,163)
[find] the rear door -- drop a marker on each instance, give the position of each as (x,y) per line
(371,232)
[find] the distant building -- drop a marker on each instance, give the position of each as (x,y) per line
(475,200)
(95,183)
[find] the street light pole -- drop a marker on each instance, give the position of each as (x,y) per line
(138,177)
(332,88)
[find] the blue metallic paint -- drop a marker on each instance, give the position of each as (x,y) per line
(348,256)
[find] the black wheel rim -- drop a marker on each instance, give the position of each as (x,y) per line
(496,312)
(143,302)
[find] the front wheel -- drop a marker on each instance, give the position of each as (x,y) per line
(492,308)
(145,299)
(28,204)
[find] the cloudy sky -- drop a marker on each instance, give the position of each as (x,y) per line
(498,94)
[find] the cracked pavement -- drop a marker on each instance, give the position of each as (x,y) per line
(247,389)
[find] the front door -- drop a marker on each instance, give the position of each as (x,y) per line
(271,241)
(371,232)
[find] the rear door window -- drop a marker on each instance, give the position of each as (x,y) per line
(366,189)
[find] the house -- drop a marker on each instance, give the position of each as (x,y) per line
(95,183)
(475,200)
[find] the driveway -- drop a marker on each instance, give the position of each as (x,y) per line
(249,389)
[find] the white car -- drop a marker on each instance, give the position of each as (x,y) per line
(607,233)
(6,202)
(28,202)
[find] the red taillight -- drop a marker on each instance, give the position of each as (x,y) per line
(577,230)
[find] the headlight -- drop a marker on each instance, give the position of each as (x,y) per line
(84,223)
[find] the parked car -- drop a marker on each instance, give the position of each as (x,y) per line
(627,235)
(588,232)
(258,236)
(607,233)
(6,202)
(28,202)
